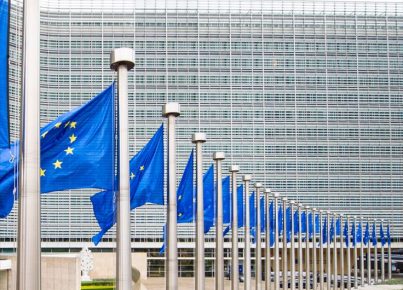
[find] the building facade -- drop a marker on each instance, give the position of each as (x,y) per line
(306,96)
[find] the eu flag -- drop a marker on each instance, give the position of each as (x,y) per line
(359,232)
(310,224)
(366,234)
(252,215)
(389,240)
(331,232)
(77,149)
(353,234)
(382,234)
(186,194)
(324,231)
(338,227)
(288,224)
(303,222)
(317,224)
(240,206)
(296,222)
(345,233)
(271,224)
(262,215)
(146,184)
(226,196)
(280,220)
(4,27)
(208,199)
(8,178)
(374,237)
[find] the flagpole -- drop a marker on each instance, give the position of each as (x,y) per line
(247,267)
(235,263)
(314,251)
(328,274)
(300,276)
(321,253)
(307,266)
(292,203)
(284,256)
(348,255)
(218,157)
(362,254)
(276,243)
(341,252)
(389,253)
(258,261)
(355,254)
(369,258)
(29,215)
(334,253)
(199,139)
(171,111)
(122,61)
(268,256)
(382,257)
(375,258)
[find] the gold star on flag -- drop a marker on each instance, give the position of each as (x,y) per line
(179,197)
(141,167)
(132,175)
(43,172)
(58,124)
(72,138)
(73,125)
(58,164)
(68,123)
(180,214)
(44,134)
(69,151)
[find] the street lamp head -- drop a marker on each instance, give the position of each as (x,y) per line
(171,109)
(258,185)
(276,195)
(247,177)
(234,168)
(218,156)
(199,137)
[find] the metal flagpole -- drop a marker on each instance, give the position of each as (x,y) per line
(341,253)
(307,259)
(234,266)
(247,267)
(292,250)
(267,192)
(218,157)
(348,256)
(355,254)
(328,274)
(29,214)
(258,261)
(369,259)
(284,256)
(199,139)
(389,256)
(362,253)
(335,253)
(375,259)
(122,61)
(300,268)
(171,111)
(321,254)
(382,258)
(314,252)
(276,196)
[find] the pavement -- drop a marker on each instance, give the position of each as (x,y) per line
(188,283)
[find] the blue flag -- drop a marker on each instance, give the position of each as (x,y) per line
(310,224)
(317,224)
(389,240)
(4,34)
(262,215)
(77,151)
(272,224)
(338,227)
(296,222)
(8,178)
(226,196)
(252,215)
(208,199)
(186,194)
(353,234)
(324,231)
(331,232)
(288,224)
(280,220)
(345,233)
(382,235)
(240,208)
(366,234)
(146,184)
(303,222)
(359,232)
(374,237)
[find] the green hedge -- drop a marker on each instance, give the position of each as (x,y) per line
(98,285)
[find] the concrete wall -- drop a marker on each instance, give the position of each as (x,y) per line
(61,272)
(105,265)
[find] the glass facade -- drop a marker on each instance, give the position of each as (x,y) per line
(306,96)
